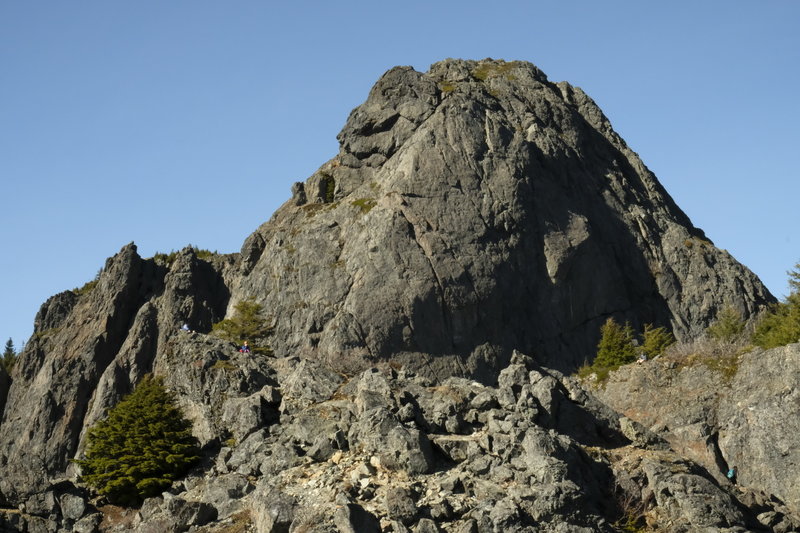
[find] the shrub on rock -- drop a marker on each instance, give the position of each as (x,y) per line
(143,445)
(728,326)
(615,348)
(781,326)
(656,340)
(247,324)
(616,345)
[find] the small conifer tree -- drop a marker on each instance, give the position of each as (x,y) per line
(728,326)
(9,356)
(656,340)
(247,324)
(143,445)
(616,345)
(781,325)
(794,278)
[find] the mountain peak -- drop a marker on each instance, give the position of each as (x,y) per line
(478,208)
(473,212)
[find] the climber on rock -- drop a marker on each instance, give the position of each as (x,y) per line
(731,475)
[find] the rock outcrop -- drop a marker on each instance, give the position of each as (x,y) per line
(473,210)
(88,350)
(743,414)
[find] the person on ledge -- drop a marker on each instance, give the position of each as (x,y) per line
(731,475)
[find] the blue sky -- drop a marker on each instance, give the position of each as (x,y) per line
(170,123)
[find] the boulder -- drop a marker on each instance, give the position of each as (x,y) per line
(170,513)
(307,384)
(224,492)
(399,447)
(400,505)
(273,510)
(352,518)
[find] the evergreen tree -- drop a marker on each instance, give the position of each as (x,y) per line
(781,325)
(143,445)
(728,326)
(9,356)
(656,340)
(247,324)
(616,345)
(794,278)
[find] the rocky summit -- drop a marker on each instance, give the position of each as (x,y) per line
(430,289)
(476,209)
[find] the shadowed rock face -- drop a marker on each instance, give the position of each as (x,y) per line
(474,209)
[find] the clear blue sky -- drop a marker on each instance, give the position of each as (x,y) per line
(170,123)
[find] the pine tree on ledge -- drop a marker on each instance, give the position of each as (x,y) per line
(143,445)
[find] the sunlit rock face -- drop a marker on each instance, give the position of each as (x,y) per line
(474,209)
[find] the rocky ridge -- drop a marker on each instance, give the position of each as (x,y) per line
(387,450)
(473,210)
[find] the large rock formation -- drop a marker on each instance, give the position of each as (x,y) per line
(472,210)
(88,350)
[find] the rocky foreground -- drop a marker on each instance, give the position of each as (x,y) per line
(293,446)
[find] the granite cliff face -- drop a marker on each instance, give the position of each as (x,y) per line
(473,210)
